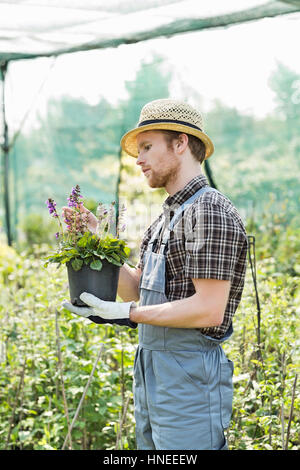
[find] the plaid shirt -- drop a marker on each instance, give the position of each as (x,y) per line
(208,241)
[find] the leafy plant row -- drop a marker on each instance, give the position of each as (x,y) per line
(47,357)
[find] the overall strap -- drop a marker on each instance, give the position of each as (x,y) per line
(156,233)
(178,213)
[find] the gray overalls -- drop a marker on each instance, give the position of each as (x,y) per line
(182,379)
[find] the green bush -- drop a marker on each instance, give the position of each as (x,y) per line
(265,373)
(36,230)
(32,408)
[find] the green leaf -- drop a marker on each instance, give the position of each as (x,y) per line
(83,240)
(130,264)
(113,261)
(98,254)
(126,251)
(116,257)
(97,265)
(77,264)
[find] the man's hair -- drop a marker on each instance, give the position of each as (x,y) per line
(197,147)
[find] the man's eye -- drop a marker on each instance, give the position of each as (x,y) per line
(147,147)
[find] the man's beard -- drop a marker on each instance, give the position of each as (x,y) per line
(162,178)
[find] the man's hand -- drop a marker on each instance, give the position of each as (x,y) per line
(84,215)
(102,311)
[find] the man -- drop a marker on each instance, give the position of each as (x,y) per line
(189,283)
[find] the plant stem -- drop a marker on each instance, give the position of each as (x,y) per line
(21,413)
(291,413)
(61,226)
(282,425)
(270,428)
(83,396)
(20,387)
(122,373)
(122,423)
(48,427)
(61,375)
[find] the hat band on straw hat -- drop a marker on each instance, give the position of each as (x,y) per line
(169,115)
(174,121)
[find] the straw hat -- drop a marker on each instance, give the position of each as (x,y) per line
(167,114)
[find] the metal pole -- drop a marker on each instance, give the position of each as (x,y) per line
(209,174)
(5,153)
(118,193)
(119,185)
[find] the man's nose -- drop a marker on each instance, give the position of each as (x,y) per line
(140,159)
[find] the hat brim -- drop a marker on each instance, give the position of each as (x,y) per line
(129,143)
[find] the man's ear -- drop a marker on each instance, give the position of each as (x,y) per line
(182,143)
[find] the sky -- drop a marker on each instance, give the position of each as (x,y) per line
(231,64)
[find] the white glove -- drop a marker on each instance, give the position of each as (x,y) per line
(102,311)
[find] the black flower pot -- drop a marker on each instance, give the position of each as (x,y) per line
(102,284)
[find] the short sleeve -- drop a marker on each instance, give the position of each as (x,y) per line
(143,248)
(213,242)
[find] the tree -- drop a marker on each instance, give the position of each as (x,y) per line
(151,83)
(286,85)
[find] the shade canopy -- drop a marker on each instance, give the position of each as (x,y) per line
(35,28)
(73,139)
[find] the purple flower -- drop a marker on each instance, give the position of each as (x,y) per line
(52,207)
(74,197)
(57,234)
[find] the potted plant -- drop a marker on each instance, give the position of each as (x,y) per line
(93,259)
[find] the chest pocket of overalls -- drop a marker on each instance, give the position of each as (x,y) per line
(152,292)
(153,276)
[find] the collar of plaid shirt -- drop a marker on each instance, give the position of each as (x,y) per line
(181,196)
